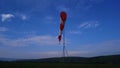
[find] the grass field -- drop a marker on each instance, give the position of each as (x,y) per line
(55,65)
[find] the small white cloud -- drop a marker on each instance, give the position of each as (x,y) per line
(89,24)
(5,17)
(3,29)
(23,17)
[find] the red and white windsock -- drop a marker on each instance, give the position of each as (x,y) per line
(63,17)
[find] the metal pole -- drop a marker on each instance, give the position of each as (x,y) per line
(64,43)
(63,59)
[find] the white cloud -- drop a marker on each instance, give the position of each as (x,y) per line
(3,29)
(89,24)
(28,54)
(35,40)
(101,48)
(5,17)
(23,17)
(88,50)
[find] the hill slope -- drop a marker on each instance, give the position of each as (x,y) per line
(100,59)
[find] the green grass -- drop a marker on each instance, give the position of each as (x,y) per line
(55,65)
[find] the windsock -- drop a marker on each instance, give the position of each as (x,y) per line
(63,17)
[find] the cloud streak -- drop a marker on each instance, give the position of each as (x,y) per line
(35,40)
(88,24)
(5,17)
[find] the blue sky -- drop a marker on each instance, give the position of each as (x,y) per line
(29,28)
